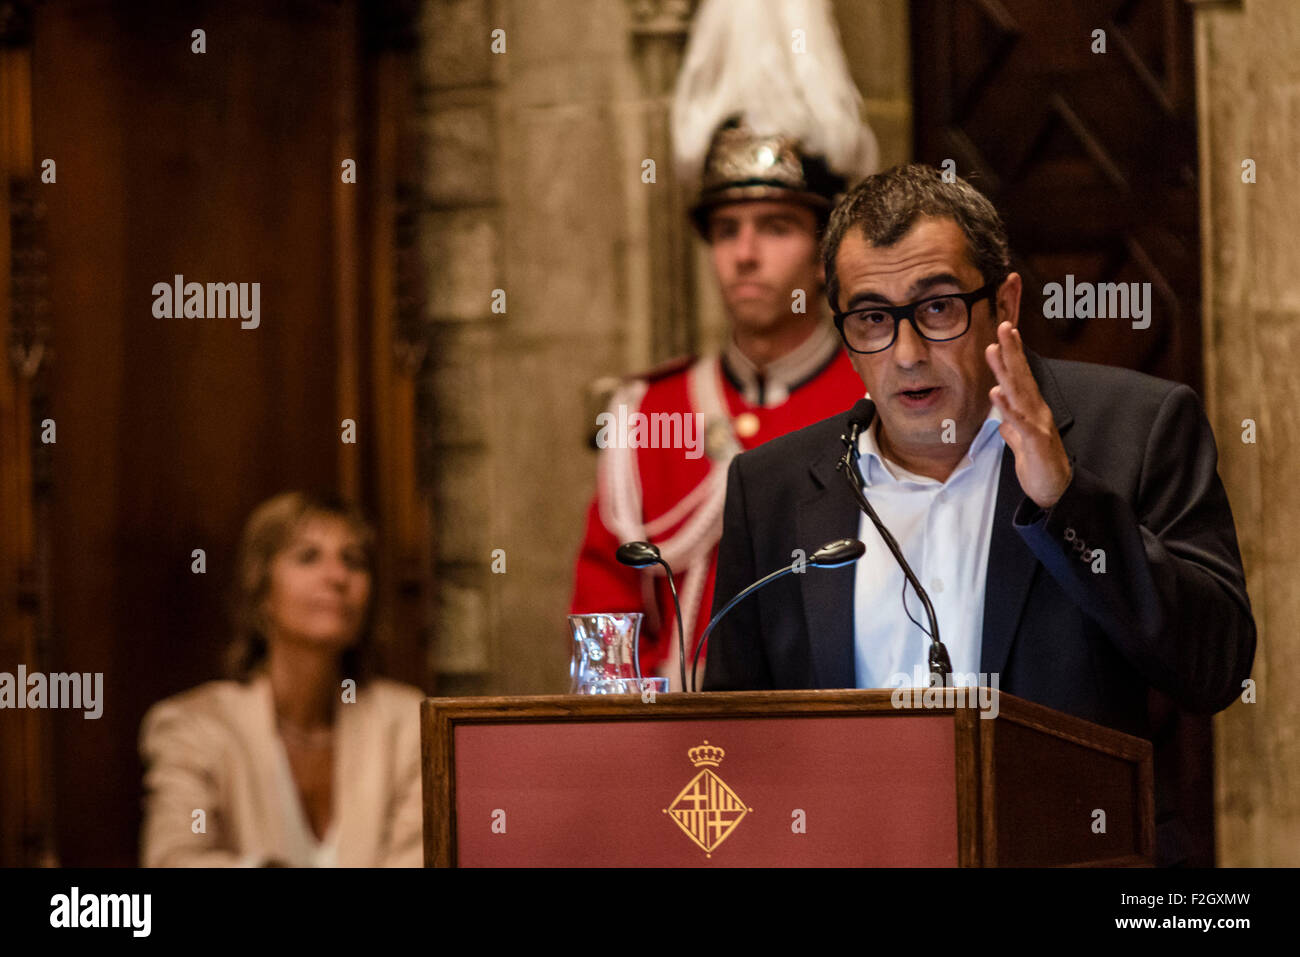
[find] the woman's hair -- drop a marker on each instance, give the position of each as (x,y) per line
(269,530)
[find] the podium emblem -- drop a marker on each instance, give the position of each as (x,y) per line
(707,810)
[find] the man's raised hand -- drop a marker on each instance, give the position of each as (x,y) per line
(1042,465)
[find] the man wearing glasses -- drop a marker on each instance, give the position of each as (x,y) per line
(1067,519)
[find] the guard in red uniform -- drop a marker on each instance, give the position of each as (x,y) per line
(761,210)
(771,131)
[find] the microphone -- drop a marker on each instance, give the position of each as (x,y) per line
(844,551)
(860,417)
(643,555)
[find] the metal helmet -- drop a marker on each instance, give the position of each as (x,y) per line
(743,165)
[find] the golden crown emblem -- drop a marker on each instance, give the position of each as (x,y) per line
(707,809)
(706,754)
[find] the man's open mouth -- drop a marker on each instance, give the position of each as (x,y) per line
(917,393)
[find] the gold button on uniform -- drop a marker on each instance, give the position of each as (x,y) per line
(746,424)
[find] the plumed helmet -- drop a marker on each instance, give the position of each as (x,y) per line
(743,165)
(756,116)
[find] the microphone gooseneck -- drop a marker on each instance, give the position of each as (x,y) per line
(642,555)
(940,664)
(844,551)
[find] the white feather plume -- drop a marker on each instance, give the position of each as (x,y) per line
(741,59)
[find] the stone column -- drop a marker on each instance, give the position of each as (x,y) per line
(1248,98)
(527,235)
(461,236)
(658,33)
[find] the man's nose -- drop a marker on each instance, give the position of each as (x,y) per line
(909,347)
(746,244)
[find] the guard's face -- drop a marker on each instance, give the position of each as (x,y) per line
(762,251)
(919,386)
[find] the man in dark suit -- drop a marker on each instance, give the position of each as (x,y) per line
(1073,510)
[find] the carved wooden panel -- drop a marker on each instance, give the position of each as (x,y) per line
(1089,156)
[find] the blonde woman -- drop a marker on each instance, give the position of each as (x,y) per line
(303,759)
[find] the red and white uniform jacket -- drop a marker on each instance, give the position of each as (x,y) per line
(674,496)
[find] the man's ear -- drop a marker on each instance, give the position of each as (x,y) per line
(1009,300)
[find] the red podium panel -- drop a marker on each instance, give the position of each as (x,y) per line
(807,778)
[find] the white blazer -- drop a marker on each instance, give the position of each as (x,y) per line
(215,749)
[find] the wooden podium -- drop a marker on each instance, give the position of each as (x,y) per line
(779,778)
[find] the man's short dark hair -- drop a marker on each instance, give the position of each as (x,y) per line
(885,206)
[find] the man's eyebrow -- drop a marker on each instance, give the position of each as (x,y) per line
(764,219)
(916,291)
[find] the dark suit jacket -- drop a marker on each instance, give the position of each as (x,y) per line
(1169,611)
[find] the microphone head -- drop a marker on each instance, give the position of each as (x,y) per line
(637,554)
(846,551)
(863,411)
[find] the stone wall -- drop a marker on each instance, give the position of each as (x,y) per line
(1248,76)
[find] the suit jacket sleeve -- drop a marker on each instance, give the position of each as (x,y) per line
(736,660)
(1172,595)
(181,777)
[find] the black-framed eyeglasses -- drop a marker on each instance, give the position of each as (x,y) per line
(936,318)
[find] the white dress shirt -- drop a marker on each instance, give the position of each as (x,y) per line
(943,529)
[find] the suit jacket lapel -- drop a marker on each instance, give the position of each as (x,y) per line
(267,763)
(829,513)
(359,781)
(1010,572)
(1011,565)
